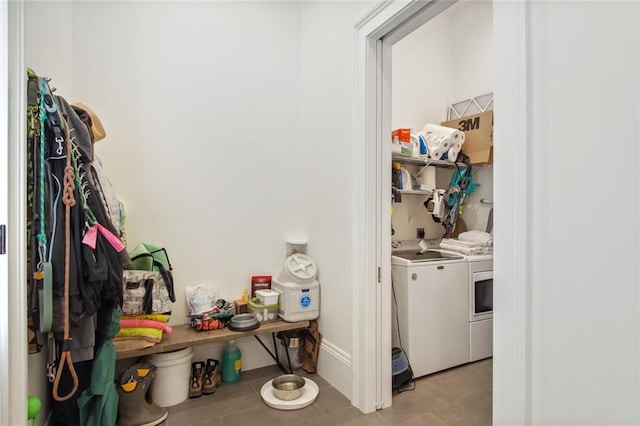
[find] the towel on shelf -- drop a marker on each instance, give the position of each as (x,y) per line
(480,237)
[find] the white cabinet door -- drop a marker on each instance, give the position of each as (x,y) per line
(438,329)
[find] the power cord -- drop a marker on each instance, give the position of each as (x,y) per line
(413,378)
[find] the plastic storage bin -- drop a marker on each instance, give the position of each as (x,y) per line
(264,313)
(267,297)
(299,289)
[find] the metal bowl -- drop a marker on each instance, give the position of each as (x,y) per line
(288,387)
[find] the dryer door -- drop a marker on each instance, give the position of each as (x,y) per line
(481,296)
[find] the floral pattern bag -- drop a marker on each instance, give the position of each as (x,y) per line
(145,292)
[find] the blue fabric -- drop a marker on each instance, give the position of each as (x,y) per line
(454,186)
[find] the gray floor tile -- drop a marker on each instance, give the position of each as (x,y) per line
(426,419)
(457,397)
(330,400)
(264,415)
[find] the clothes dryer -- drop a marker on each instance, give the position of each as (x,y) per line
(480,311)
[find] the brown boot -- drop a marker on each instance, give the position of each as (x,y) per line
(197,377)
(212,377)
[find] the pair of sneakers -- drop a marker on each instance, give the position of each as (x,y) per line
(205,378)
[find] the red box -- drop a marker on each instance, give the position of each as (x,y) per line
(260,282)
(401,135)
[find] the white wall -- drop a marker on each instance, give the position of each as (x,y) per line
(326,67)
(421,74)
(448,59)
(584,265)
(228,131)
(200,102)
(472,48)
(48,30)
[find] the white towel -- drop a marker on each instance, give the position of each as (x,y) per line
(467,244)
(463,249)
(483,238)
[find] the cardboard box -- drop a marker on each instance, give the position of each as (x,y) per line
(241,306)
(478,136)
(401,135)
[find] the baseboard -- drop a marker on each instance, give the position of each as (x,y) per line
(334,366)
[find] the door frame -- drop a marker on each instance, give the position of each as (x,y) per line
(387,23)
(13,294)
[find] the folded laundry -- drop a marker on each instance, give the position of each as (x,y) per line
(464,249)
(154,317)
(147,332)
(452,241)
(481,248)
(483,238)
(145,323)
(129,343)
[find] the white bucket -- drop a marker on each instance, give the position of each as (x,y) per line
(170,386)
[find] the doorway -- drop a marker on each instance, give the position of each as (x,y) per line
(446,60)
(376,33)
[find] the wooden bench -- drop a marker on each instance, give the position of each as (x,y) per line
(183,336)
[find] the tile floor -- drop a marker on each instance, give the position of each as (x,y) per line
(460,396)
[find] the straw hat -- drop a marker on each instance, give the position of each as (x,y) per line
(97,128)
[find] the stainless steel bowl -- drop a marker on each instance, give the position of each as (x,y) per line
(288,387)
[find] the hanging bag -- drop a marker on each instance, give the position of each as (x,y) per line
(148,286)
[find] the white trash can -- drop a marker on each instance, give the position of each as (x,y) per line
(170,385)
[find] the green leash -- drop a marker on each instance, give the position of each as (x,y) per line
(45,296)
(44,274)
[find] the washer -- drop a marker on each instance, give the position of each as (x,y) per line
(431,291)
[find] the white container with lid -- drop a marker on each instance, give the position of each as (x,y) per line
(267,296)
(299,290)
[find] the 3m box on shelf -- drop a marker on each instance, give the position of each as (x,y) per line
(478,136)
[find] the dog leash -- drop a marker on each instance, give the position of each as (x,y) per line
(69,201)
(44,271)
